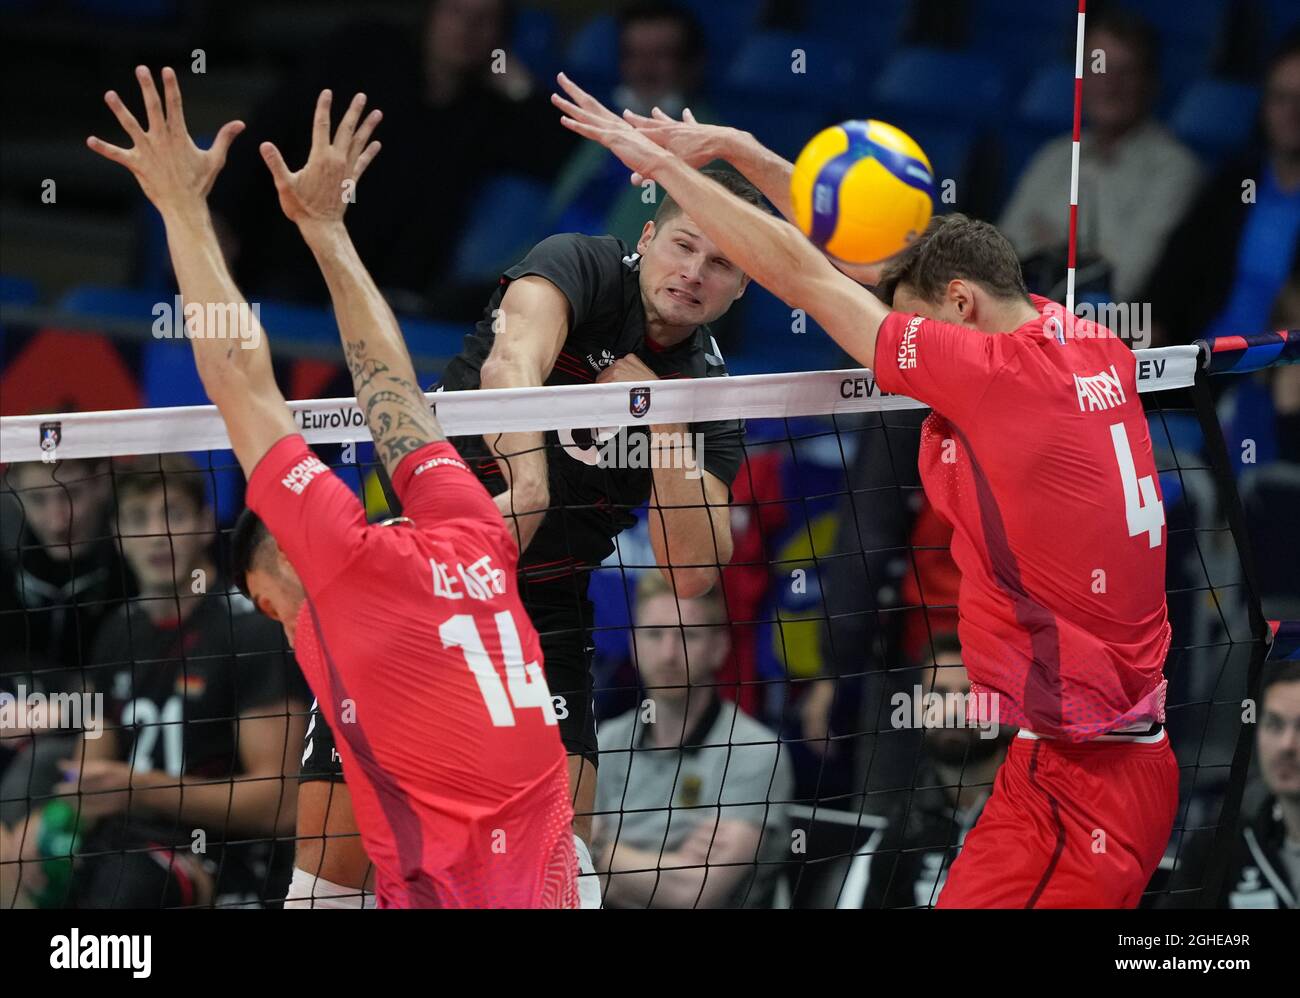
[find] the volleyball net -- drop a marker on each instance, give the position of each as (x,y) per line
(806,745)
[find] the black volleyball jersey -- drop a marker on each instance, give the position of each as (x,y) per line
(593,497)
(173,693)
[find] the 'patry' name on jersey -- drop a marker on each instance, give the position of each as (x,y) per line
(1099,391)
(481,580)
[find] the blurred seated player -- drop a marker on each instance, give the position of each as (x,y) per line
(450,79)
(929,821)
(58,582)
(1135,178)
(203,714)
(1229,256)
(411,636)
(661,61)
(692,794)
(1264,866)
(1075,663)
(576,310)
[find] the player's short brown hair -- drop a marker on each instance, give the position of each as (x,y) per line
(176,474)
(652,584)
(956,247)
(728,179)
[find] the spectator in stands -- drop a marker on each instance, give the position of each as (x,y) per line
(452,117)
(661,64)
(1264,409)
(204,714)
(1236,246)
(57,584)
(1265,867)
(690,800)
(1135,178)
(928,821)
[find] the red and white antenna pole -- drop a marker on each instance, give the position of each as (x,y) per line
(1074,162)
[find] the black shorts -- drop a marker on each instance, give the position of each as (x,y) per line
(566,650)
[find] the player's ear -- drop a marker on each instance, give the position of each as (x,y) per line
(647,234)
(961,299)
(744,283)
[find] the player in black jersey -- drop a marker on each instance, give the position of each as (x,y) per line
(580,310)
(203,714)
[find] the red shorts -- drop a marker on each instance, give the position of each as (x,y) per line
(1069,825)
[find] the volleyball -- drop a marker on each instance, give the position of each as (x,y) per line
(862,190)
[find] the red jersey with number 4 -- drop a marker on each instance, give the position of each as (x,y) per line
(1038,454)
(414,641)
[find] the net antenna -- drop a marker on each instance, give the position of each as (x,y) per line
(1074,161)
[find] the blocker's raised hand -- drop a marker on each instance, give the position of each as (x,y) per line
(170,168)
(322,190)
(689,140)
(590,118)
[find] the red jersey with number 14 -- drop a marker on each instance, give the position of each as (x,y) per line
(428,669)
(1038,454)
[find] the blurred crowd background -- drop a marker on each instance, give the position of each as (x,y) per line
(1190,208)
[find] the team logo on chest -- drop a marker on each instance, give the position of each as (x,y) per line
(638,401)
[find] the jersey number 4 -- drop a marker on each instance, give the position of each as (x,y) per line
(1142,507)
(525,682)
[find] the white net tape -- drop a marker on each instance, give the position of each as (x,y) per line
(505,410)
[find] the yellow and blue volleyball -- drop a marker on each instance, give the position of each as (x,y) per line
(862,190)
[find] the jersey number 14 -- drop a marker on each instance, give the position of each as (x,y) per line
(1142,507)
(525,683)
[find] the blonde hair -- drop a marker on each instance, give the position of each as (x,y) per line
(652,583)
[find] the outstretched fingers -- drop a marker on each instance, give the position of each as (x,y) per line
(320,123)
(116,153)
(343,137)
(370,152)
(221,144)
(124,116)
(361,140)
(275,163)
(172,96)
(152,102)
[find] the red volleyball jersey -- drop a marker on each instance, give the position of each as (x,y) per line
(414,641)
(1038,454)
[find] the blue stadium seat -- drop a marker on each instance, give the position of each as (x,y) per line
(880,21)
(129,10)
(948,144)
(535,43)
(426,339)
(506,217)
(1048,101)
(765,65)
(1216,116)
(110,303)
(785,130)
(1282,16)
(1022,35)
(768,343)
(1176,19)
(17,291)
(723,23)
(592,54)
(282,322)
(941,83)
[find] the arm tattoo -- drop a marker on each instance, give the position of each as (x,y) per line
(398,415)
